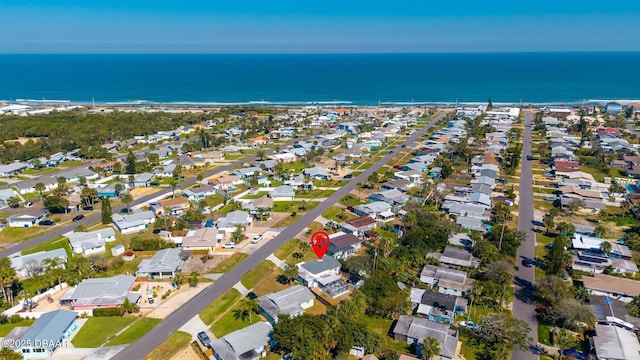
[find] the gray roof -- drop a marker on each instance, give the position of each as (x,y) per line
(283,191)
(613,342)
(241,344)
(164,261)
(101,291)
(233,218)
(318,266)
(144,177)
(286,301)
(76,172)
(131,220)
(376,206)
(49,328)
(19,261)
(420,329)
(443,273)
(88,240)
(315,171)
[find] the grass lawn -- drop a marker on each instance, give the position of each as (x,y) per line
(56,243)
(227,324)
(41,171)
(332,212)
(171,346)
(216,308)
(229,263)
(288,221)
(287,249)
(135,331)
(269,283)
(295,165)
(311,194)
(382,326)
(597,175)
(615,173)
(544,334)
(225,209)
(213,200)
(98,329)
(6,328)
(18,234)
(255,275)
(351,200)
(291,206)
(256,196)
(233,156)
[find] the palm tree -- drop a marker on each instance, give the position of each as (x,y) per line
(126,199)
(193,279)
(564,340)
(7,277)
(251,305)
(178,279)
(605,247)
(291,272)
(26,295)
(173,183)
(13,202)
(241,314)
(40,188)
(129,307)
(430,348)
(54,268)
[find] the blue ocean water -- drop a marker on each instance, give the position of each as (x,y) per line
(358,79)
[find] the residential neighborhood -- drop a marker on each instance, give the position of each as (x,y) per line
(431,252)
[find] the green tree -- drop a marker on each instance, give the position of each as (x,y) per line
(106,211)
(173,183)
(54,268)
(503,331)
(241,314)
(126,199)
(251,305)
(600,231)
(557,257)
(13,202)
(548,221)
(40,188)
(129,307)
(430,348)
(260,154)
(605,247)
(238,233)
(56,204)
(88,194)
(564,340)
(291,272)
(194,278)
(130,168)
(117,167)
(7,278)
(8,354)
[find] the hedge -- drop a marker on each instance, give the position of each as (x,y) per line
(103,312)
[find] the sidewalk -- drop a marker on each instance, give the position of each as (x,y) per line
(281,264)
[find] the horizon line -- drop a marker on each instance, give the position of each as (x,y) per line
(333,53)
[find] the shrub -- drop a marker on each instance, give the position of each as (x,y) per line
(106,312)
(140,244)
(137,287)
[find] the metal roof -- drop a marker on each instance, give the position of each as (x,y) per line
(49,328)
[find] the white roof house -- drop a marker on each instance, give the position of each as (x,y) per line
(92,242)
(164,262)
(291,301)
(613,342)
(31,264)
(229,222)
(244,344)
(101,292)
(130,223)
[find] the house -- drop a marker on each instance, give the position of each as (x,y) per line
(292,301)
(198,193)
(246,173)
(249,343)
(323,274)
(615,343)
(142,180)
(401,185)
(89,243)
(282,193)
(32,264)
(391,197)
(5,195)
(170,207)
(342,245)
(456,257)
(612,312)
(225,182)
(13,168)
(412,330)
(613,108)
(29,217)
(615,287)
(261,205)
(164,262)
(448,281)
(101,293)
(110,190)
(130,223)
(44,336)
(29,186)
(438,307)
(359,226)
(413,176)
(373,209)
(316,173)
(229,222)
(74,174)
(204,238)
(298,182)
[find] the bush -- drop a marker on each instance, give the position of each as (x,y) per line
(106,312)
(140,244)
(137,287)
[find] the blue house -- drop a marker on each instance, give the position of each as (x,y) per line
(613,108)
(109,191)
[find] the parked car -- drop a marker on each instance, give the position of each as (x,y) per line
(348,176)
(529,157)
(469,325)
(398,167)
(204,339)
(88,208)
(256,239)
(351,208)
(527,262)
(574,354)
(229,245)
(154,183)
(47,223)
(78,217)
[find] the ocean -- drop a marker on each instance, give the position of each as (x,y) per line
(362,79)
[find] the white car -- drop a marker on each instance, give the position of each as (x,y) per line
(228,245)
(256,239)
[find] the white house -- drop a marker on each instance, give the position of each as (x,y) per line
(28,218)
(229,222)
(31,264)
(282,193)
(128,224)
(45,336)
(93,242)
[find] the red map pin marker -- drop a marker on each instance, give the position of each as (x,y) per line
(320,243)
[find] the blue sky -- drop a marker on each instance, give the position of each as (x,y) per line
(329,26)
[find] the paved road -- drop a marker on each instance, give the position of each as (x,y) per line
(192,308)
(523,303)
(631,128)
(95,216)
